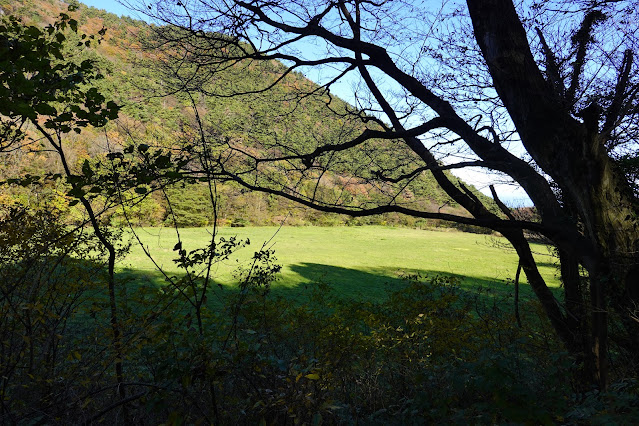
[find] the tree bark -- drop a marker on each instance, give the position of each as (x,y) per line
(573,154)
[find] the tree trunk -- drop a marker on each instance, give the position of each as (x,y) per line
(573,154)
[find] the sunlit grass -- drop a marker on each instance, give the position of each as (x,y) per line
(359,262)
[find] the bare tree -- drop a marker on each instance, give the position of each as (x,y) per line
(542,93)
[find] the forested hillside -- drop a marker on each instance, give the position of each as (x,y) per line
(138,79)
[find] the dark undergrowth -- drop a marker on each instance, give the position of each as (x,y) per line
(430,353)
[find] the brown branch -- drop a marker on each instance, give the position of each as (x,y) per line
(500,204)
(377,56)
(517,317)
(115,405)
(622,84)
(581,39)
(552,69)
(487,222)
(419,170)
(510,216)
(470,193)
(366,135)
(115,325)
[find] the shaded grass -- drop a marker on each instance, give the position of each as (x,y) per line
(359,262)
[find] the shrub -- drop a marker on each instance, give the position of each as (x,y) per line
(48,274)
(425,355)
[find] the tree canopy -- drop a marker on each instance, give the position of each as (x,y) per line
(542,93)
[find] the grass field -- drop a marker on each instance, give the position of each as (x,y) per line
(359,262)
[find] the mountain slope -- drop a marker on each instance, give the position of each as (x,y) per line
(276,120)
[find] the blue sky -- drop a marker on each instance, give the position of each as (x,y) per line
(110,6)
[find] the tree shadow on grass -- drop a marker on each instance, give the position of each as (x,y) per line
(375,284)
(549,264)
(135,281)
(365,285)
(139,277)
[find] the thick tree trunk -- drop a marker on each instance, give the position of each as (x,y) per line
(573,154)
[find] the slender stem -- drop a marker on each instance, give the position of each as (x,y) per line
(517,294)
(115,327)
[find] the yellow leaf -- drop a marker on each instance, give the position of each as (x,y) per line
(312,376)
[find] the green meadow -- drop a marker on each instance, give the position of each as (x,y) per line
(359,262)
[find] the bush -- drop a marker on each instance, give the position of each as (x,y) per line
(426,355)
(48,275)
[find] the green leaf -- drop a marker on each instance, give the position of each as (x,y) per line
(76,192)
(86,169)
(45,109)
(65,116)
